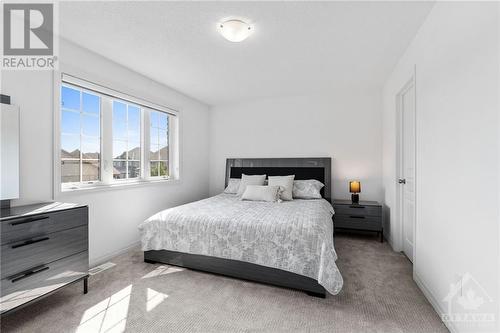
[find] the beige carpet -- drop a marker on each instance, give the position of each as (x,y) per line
(379,295)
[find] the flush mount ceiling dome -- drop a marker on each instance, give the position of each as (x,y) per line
(235,30)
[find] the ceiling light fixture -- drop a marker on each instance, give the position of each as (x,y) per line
(235,30)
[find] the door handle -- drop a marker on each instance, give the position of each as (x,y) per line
(402,181)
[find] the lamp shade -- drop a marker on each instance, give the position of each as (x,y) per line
(354,186)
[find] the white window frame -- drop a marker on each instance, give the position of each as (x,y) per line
(82,90)
(141,143)
(170,165)
(106,155)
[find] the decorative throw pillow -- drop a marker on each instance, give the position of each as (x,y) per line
(232,186)
(250,180)
(261,193)
(286,184)
(307,189)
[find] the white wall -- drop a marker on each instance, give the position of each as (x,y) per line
(457,228)
(345,125)
(115,213)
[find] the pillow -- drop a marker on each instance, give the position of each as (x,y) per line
(261,193)
(250,180)
(232,186)
(307,189)
(286,184)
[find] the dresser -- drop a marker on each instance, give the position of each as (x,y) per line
(365,215)
(44,247)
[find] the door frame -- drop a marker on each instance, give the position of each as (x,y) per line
(410,84)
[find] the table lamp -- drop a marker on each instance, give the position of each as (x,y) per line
(355,188)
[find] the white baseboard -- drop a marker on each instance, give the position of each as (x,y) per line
(107,257)
(434,302)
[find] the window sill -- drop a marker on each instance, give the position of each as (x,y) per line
(116,185)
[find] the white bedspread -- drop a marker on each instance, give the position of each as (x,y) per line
(294,236)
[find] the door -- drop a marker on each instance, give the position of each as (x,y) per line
(407,167)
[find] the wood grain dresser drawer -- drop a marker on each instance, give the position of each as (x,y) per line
(41,280)
(43,249)
(18,229)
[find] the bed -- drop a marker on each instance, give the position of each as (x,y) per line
(288,244)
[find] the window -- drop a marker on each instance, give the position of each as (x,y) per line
(126,140)
(80,135)
(158,144)
(107,137)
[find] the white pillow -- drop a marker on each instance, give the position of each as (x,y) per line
(250,180)
(261,193)
(286,184)
(307,189)
(232,186)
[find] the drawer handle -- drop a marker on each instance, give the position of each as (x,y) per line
(357,207)
(29,241)
(356,217)
(28,273)
(29,220)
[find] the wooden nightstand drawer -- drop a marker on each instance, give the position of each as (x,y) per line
(358,210)
(365,215)
(360,222)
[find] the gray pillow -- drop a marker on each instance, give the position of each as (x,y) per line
(285,183)
(307,189)
(261,193)
(250,180)
(232,186)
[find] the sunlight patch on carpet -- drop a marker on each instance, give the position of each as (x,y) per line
(154,298)
(162,270)
(109,315)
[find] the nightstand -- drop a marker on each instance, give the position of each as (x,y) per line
(365,215)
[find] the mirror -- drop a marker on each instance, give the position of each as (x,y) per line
(9,152)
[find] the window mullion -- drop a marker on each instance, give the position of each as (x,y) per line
(146,143)
(173,146)
(81,136)
(107,139)
(126,142)
(169,141)
(142,163)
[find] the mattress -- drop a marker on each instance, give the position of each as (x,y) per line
(295,236)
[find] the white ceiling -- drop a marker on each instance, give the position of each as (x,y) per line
(296,48)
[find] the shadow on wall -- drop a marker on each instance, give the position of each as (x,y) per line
(386,213)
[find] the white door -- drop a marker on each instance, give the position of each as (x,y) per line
(407,167)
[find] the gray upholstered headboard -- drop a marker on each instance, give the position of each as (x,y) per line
(318,168)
